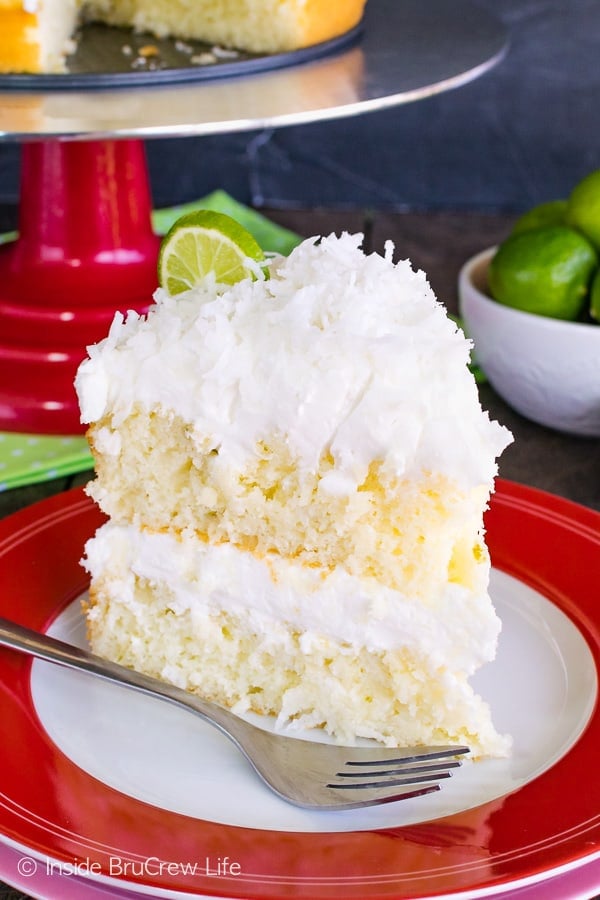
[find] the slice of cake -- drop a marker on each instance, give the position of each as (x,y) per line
(36,35)
(260,26)
(295,470)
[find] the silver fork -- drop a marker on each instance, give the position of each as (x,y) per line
(309,774)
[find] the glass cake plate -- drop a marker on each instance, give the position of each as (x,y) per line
(400,53)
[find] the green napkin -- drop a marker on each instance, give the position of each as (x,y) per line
(31,458)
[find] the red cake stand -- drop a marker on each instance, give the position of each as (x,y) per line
(85,249)
(85,246)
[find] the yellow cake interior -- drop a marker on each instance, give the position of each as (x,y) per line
(412,535)
(395,697)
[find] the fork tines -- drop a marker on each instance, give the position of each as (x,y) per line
(428,765)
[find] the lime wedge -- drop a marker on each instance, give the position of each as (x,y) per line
(202,242)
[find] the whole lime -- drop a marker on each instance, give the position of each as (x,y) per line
(550,213)
(583,207)
(546,271)
(595,297)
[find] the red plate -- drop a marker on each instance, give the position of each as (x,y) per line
(58,811)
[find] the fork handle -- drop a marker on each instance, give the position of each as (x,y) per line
(43,646)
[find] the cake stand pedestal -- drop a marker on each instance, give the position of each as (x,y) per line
(85,247)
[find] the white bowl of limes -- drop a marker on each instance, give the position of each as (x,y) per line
(531,307)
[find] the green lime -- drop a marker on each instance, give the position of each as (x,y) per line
(204,241)
(583,207)
(546,271)
(595,297)
(550,213)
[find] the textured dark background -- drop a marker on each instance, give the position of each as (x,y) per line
(523,133)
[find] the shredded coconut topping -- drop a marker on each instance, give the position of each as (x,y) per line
(339,351)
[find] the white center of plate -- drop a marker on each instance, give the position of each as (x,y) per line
(541,687)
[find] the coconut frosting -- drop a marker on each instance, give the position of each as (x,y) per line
(339,351)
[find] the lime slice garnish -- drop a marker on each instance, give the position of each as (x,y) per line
(204,242)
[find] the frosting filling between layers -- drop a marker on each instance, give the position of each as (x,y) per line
(458,629)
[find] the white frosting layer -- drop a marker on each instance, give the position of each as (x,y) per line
(337,351)
(457,629)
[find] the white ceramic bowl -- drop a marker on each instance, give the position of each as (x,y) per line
(546,369)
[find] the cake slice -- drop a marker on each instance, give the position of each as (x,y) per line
(295,471)
(36,35)
(256,25)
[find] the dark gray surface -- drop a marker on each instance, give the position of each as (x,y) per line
(523,133)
